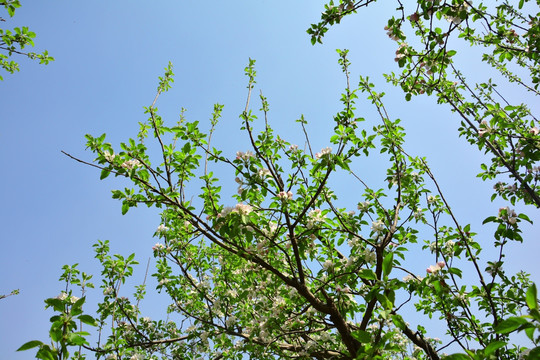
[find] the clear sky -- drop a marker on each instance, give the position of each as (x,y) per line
(108,57)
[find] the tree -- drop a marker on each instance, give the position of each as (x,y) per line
(14,41)
(508,40)
(287,271)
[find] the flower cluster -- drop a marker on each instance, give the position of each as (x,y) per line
(324,152)
(284,196)
(508,215)
(328,264)
(456,19)
(484,128)
(446,248)
(411,278)
(370,257)
(433,269)
(242,209)
(315,217)
(241,184)
(158,247)
(131,164)
(109,157)
(363,206)
(161,229)
(240,155)
(377,226)
(401,52)
(263,173)
(391,34)
(418,214)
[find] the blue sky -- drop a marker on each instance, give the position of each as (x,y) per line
(108,57)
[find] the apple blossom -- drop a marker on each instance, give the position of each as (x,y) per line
(324,152)
(161,229)
(244,155)
(109,156)
(377,226)
(264,173)
(363,206)
(131,164)
(285,195)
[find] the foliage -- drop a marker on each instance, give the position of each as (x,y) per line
(288,269)
(14,41)
(13,292)
(507,38)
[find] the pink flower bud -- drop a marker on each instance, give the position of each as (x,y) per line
(441,264)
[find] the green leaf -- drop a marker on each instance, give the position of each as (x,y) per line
(367,274)
(510,325)
(455,271)
(531,297)
(362,336)
(457,357)
(535,314)
(534,354)
(385,301)
(104,174)
(493,346)
(387,264)
(55,303)
(30,345)
(525,217)
(125,208)
(88,320)
(46,353)
(76,339)
(398,322)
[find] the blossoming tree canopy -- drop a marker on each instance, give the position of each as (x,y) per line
(290,266)
(433,38)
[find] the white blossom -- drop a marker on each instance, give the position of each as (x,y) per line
(377,226)
(108,156)
(363,206)
(264,173)
(328,264)
(325,151)
(284,196)
(314,217)
(244,155)
(161,228)
(131,164)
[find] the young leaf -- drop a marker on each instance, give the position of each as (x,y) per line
(457,357)
(493,346)
(367,274)
(104,174)
(30,345)
(510,325)
(387,264)
(531,297)
(88,320)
